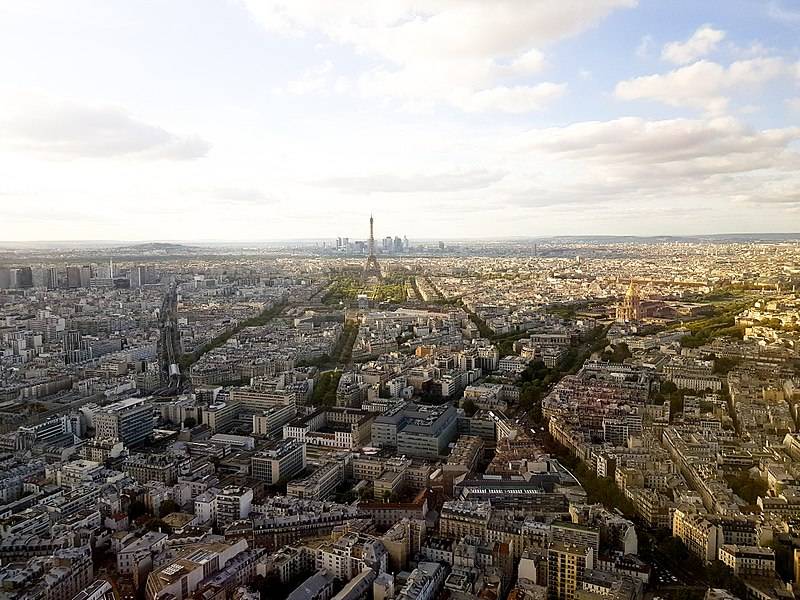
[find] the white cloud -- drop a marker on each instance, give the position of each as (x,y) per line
(444,181)
(446,50)
(518,99)
(688,145)
(617,167)
(312,81)
(68,129)
(779,12)
(240,196)
(704,84)
(662,163)
(702,42)
(531,61)
(454,28)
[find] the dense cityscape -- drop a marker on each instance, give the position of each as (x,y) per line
(548,420)
(399,300)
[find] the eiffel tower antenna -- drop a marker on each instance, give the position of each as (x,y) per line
(372,269)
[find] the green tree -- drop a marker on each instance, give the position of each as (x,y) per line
(168,507)
(724,365)
(747,487)
(469,407)
(619,354)
(668,388)
(158,525)
(136,509)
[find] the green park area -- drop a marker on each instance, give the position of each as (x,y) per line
(726,302)
(325,390)
(346,288)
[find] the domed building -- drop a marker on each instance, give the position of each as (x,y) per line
(630,309)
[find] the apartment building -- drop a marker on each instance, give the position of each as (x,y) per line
(748,561)
(128,421)
(461,518)
(272,420)
(282,462)
(353,552)
(320,484)
(145,468)
(567,565)
(702,537)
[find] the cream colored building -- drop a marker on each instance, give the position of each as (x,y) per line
(748,561)
(702,537)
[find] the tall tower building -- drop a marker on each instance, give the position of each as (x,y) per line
(138,276)
(85,276)
(372,269)
(22,278)
(72,346)
(73,277)
(51,278)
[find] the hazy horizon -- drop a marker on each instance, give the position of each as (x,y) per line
(747,236)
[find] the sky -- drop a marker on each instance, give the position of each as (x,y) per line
(249,120)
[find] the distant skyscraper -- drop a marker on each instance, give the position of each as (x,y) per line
(398,245)
(22,278)
(139,276)
(5,279)
(38,278)
(73,277)
(51,278)
(86,275)
(72,346)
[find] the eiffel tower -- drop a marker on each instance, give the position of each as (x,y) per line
(371,269)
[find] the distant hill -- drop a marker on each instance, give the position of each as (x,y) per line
(156,247)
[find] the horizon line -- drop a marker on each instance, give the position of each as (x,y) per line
(420,239)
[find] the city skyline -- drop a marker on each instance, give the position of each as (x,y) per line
(258,121)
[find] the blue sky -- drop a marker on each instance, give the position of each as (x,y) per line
(259,119)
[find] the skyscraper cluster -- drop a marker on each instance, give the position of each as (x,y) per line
(388,245)
(73,277)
